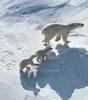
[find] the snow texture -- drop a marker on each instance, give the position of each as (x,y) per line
(64,74)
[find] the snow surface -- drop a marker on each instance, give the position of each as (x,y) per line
(64,75)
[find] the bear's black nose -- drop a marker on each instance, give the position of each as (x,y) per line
(82,25)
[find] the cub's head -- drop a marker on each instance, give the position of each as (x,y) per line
(76,25)
(48,49)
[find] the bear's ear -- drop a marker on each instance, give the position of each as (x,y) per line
(71,25)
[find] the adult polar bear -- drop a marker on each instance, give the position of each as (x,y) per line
(59,31)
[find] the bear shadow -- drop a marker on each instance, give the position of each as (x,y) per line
(64,73)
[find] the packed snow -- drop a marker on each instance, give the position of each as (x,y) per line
(64,74)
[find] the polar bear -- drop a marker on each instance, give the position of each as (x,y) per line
(24,63)
(60,31)
(41,55)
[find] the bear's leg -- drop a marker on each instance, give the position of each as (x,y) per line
(42,59)
(58,37)
(38,59)
(65,38)
(47,39)
(46,43)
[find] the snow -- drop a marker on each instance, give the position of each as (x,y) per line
(64,75)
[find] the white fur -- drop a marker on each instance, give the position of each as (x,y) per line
(24,63)
(59,31)
(42,54)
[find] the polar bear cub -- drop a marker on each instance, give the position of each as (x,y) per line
(24,63)
(41,55)
(59,31)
